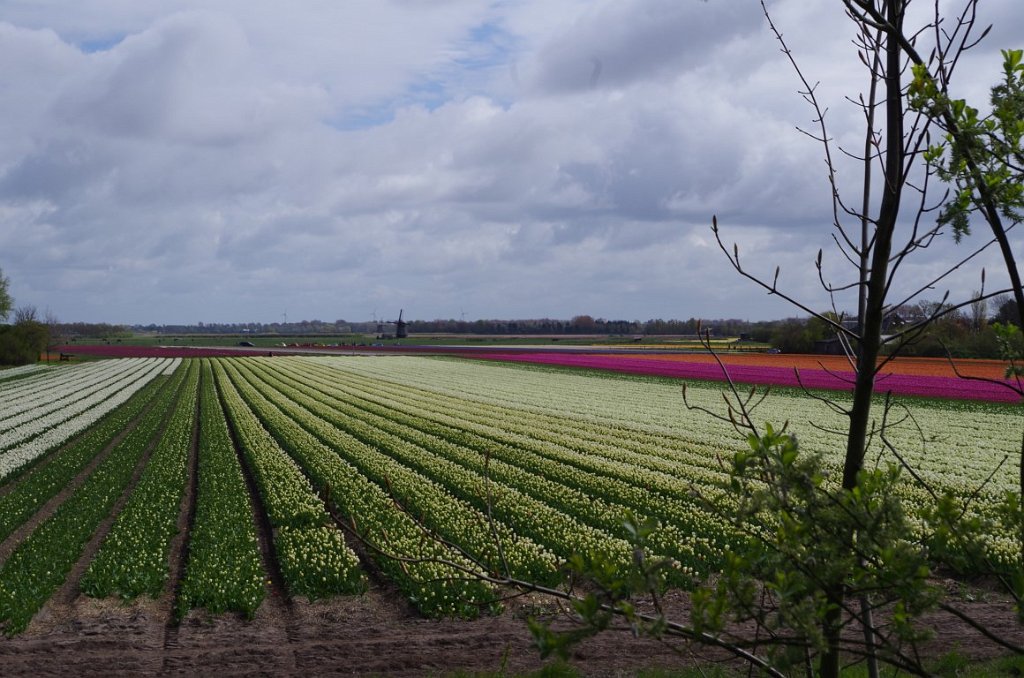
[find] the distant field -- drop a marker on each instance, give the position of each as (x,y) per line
(913,366)
(926,377)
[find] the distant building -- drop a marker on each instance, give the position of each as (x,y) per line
(829,347)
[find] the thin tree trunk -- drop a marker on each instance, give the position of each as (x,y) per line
(860,413)
(862,298)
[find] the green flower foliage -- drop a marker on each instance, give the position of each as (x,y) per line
(316,562)
(314,559)
(133,559)
(30,494)
(224,571)
(612,593)
(416,562)
(553,489)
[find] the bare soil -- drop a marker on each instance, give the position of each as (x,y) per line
(372,634)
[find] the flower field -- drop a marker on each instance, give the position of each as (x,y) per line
(925,377)
(246,469)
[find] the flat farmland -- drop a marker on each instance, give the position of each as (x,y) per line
(175,508)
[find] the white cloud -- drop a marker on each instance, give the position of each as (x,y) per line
(176,162)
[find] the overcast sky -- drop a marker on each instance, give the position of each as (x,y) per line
(235,161)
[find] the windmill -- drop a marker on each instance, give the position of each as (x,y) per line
(400,325)
(400,331)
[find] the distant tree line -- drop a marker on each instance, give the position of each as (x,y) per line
(306,327)
(22,342)
(964,333)
(585,324)
(581,324)
(91,330)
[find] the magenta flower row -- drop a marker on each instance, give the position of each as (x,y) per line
(898,384)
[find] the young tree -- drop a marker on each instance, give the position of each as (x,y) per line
(887,45)
(825,553)
(828,548)
(981,156)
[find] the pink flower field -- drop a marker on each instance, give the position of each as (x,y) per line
(950,387)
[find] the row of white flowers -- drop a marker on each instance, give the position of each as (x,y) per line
(616,452)
(314,563)
(952,445)
(37,381)
(539,478)
(657,452)
(58,428)
(450,515)
(133,557)
(38,395)
(224,571)
(431,585)
(26,497)
(557,457)
(73,395)
(34,375)
(40,563)
(553,513)
(586,479)
(21,371)
(171,367)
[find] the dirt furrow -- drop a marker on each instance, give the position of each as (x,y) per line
(265,641)
(379,583)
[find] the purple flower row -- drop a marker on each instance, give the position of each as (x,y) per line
(899,384)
